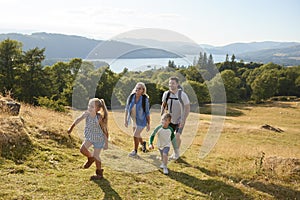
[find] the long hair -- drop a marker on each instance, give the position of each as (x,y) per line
(104,112)
(143,86)
(104,116)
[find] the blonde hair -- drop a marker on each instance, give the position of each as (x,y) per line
(143,86)
(99,103)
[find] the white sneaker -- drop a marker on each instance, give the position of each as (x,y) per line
(165,170)
(162,166)
(174,156)
(132,154)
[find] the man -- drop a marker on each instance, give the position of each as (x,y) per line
(177,103)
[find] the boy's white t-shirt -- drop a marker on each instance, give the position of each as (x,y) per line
(163,136)
(176,110)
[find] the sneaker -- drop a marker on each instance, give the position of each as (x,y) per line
(162,166)
(133,153)
(174,156)
(165,170)
(144,149)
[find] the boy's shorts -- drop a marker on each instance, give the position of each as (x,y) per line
(165,150)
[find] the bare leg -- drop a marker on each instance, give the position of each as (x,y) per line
(137,137)
(178,140)
(165,159)
(136,143)
(141,140)
(85,149)
(99,171)
(97,158)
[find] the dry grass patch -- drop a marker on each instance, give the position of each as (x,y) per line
(246,163)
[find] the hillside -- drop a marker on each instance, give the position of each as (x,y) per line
(57,46)
(247,163)
(285,53)
(283,56)
(240,48)
(63,47)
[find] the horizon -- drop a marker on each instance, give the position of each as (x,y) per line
(205,22)
(116,39)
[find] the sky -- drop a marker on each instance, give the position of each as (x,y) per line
(213,22)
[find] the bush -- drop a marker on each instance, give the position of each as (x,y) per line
(51,104)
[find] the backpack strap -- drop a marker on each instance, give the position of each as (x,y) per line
(144,102)
(165,104)
(179,96)
(144,97)
(130,98)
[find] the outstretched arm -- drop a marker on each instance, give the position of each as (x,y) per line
(76,121)
(152,137)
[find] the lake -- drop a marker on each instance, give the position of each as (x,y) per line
(142,64)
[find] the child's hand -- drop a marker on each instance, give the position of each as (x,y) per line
(106,146)
(148,127)
(151,146)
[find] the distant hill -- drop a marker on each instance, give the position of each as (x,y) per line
(62,47)
(58,46)
(177,47)
(283,53)
(264,52)
(283,56)
(239,48)
(117,49)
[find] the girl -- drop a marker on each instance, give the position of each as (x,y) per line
(137,108)
(95,133)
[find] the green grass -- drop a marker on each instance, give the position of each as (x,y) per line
(247,162)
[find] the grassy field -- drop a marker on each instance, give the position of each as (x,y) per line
(40,161)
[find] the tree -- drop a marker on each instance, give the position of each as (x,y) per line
(192,73)
(216,89)
(227,58)
(233,58)
(10,59)
(31,76)
(265,85)
(231,84)
(197,92)
(107,81)
(171,64)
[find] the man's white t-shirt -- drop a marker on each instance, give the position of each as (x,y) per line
(174,105)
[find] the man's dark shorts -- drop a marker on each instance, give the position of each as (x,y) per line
(176,128)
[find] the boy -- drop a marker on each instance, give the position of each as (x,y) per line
(165,136)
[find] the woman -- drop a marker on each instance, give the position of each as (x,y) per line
(137,108)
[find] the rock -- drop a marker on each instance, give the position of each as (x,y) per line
(268,127)
(9,106)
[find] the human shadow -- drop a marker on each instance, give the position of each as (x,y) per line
(109,192)
(277,191)
(278,104)
(214,188)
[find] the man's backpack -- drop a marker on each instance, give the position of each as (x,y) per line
(165,103)
(143,100)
